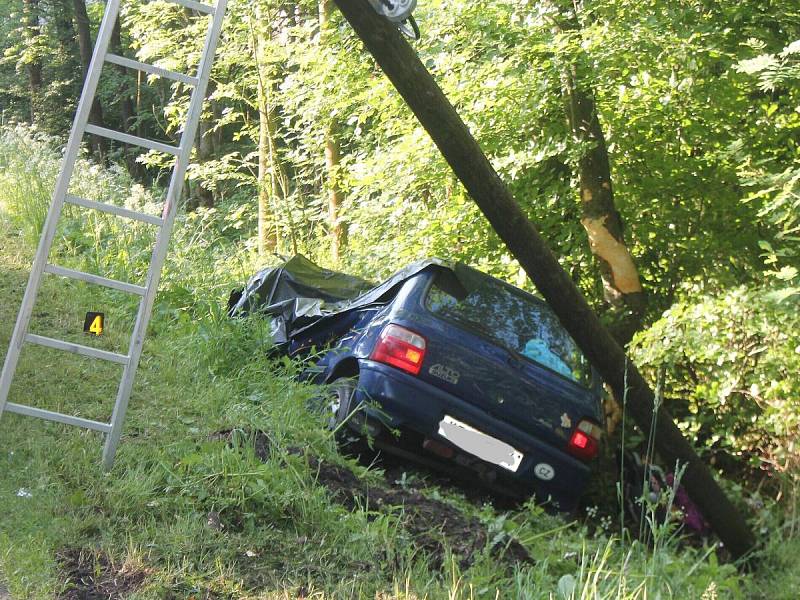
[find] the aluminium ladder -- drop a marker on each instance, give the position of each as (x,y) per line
(81,126)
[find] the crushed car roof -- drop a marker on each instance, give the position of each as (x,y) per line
(298,293)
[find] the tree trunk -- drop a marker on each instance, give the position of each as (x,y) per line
(137,105)
(268,188)
(98,144)
(71,55)
(126,107)
(601,220)
(32,33)
(416,85)
(204,144)
(338,230)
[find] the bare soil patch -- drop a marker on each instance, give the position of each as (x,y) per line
(434,525)
(93,576)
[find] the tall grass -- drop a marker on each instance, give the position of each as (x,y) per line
(211,373)
(28,169)
(209,251)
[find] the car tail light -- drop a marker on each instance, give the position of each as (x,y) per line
(401,348)
(585,440)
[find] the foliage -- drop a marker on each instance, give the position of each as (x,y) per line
(728,363)
(118,248)
(774,181)
(687,136)
(54,49)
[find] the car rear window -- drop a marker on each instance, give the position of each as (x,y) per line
(519,323)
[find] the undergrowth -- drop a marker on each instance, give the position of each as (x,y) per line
(192,510)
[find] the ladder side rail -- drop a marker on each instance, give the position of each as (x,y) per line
(164,235)
(57,203)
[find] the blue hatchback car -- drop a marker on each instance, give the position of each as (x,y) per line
(449,366)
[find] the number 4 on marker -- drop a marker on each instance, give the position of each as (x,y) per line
(94,323)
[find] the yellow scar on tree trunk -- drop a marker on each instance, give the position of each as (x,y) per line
(604,245)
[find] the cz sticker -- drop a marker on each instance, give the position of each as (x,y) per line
(544,471)
(95,323)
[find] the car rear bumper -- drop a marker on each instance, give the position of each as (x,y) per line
(407,403)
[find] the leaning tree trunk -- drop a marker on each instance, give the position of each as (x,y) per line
(416,85)
(98,144)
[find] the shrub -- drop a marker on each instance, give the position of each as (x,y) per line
(729,365)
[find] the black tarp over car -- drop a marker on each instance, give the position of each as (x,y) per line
(297,293)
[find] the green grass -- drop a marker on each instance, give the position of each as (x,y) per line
(189,515)
(281,530)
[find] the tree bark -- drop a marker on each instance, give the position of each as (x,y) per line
(268,184)
(204,144)
(437,115)
(267,234)
(600,218)
(68,42)
(338,230)
(32,33)
(98,144)
(126,106)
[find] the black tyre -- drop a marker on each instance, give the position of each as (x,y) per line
(339,401)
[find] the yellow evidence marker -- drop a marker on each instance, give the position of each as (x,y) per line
(94,323)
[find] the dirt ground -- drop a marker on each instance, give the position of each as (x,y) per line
(432,524)
(92,576)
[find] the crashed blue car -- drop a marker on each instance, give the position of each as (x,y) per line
(444,365)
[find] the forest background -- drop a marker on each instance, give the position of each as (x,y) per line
(655,144)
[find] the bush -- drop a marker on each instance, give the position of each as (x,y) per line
(729,365)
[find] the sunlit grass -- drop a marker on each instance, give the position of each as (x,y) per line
(281,533)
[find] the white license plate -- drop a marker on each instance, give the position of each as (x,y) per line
(480,444)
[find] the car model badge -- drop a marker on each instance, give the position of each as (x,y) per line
(446,373)
(544,471)
(566,422)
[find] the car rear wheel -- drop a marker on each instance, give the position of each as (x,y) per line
(339,401)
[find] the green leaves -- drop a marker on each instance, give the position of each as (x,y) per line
(729,362)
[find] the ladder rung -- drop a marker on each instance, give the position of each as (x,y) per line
(76,349)
(198,6)
(96,279)
(131,139)
(49,415)
(114,210)
(152,69)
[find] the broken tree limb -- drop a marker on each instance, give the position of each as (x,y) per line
(434,111)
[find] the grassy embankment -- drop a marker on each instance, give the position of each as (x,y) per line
(227,486)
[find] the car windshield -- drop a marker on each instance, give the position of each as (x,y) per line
(514,320)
